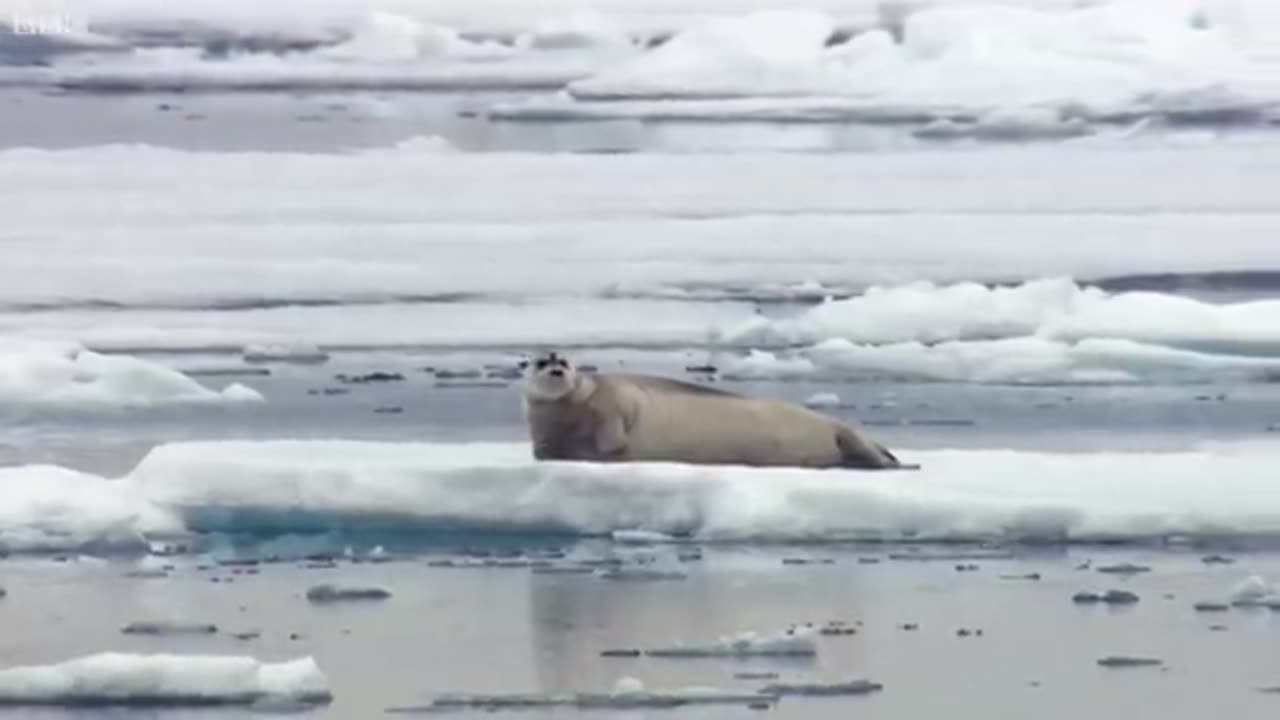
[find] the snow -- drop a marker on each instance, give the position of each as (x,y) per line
(959,494)
(52,509)
(173,680)
(64,375)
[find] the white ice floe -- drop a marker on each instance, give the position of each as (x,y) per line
(1254,591)
(627,692)
(174,680)
(1117,59)
(46,509)
(797,642)
(65,375)
(1052,309)
(303,353)
(959,494)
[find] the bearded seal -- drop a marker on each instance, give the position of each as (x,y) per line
(639,418)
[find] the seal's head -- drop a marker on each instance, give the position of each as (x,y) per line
(549,377)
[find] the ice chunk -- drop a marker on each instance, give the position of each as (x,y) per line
(45,509)
(1254,591)
(626,693)
(984,495)
(304,354)
(1125,661)
(168,627)
(65,375)
(176,680)
(823,400)
(797,642)
(818,689)
(334,593)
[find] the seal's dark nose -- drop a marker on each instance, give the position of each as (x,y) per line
(557,373)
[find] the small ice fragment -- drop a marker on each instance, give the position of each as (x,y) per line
(627,653)
(1110,597)
(1217,560)
(790,643)
(850,687)
(1211,607)
(1252,591)
(642,574)
(641,537)
(823,400)
(1123,569)
(1123,661)
(165,627)
(333,593)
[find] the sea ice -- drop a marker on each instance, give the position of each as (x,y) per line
(797,642)
(65,376)
(174,680)
(958,494)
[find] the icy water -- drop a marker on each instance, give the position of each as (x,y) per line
(1054,282)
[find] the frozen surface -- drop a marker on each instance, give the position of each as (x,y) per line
(1108,60)
(65,376)
(46,508)
(496,486)
(173,680)
(396,246)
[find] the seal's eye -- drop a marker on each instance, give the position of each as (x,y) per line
(540,364)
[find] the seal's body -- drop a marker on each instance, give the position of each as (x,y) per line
(573,416)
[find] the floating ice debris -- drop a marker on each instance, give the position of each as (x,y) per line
(563,570)
(147,574)
(1211,607)
(817,689)
(1024,576)
(3,592)
(333,593)
(1217,560)
(642,575)
(954,556)
(823,400)
(165,627)
(1110,597)
(798,642)
(807,561)
(625,653)
(301,354)
(626,693)
(868,561)
(1124,661)
(164,680)
(756,675)
(376,376)
(1254,591)
(909,627)
(388,410)
(1123,569)
(642,537)
(966,567)
(247,635)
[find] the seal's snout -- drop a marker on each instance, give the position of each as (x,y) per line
(557,373)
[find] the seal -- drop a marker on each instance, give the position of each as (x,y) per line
(641,418)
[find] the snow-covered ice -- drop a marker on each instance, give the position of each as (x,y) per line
(1107,60)
(176,680)
(958,494)
(66,375)
(627,692)
(48,509)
